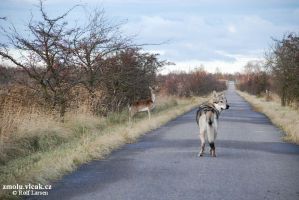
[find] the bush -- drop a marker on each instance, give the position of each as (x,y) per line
(196,83)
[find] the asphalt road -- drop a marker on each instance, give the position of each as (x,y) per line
(252,163)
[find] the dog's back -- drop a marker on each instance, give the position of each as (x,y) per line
(209,111)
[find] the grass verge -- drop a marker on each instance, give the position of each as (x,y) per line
(286,118)
(84,138)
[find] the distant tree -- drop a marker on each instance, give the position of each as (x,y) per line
(218,73)
(195,83)
(6,75)
(254,79)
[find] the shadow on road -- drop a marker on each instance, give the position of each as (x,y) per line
(271,147)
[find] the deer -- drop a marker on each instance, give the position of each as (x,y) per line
(142,106)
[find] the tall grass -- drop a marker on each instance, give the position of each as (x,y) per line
(287,118)
(37,147)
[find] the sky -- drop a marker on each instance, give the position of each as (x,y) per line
(223,34)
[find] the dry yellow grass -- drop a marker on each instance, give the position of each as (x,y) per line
(286,118)
(61,147)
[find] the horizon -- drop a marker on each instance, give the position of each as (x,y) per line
(193,33)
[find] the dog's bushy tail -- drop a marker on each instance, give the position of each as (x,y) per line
(209,118)
(211,132)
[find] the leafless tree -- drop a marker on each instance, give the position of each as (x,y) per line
(94,43)
(45,57)
(255,78)
(283,62)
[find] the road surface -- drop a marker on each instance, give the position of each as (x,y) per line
(252,163)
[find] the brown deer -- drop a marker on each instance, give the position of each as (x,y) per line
(142,105)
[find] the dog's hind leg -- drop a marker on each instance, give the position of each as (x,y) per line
(213,150)
(202,143)
(211,133)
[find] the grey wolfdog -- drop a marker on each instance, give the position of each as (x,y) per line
(207,119)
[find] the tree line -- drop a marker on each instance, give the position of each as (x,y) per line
(279,72)
(195,83)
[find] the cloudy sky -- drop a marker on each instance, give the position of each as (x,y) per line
(215,33)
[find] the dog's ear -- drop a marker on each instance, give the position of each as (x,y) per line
(215,94)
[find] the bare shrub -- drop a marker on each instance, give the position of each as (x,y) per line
(255,80)
(283,62)
(196,83)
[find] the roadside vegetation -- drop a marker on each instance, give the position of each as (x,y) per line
(272,85)
(37,147)
(63,100)
(277,74)
(42,148)
(285,117)
(197,83)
